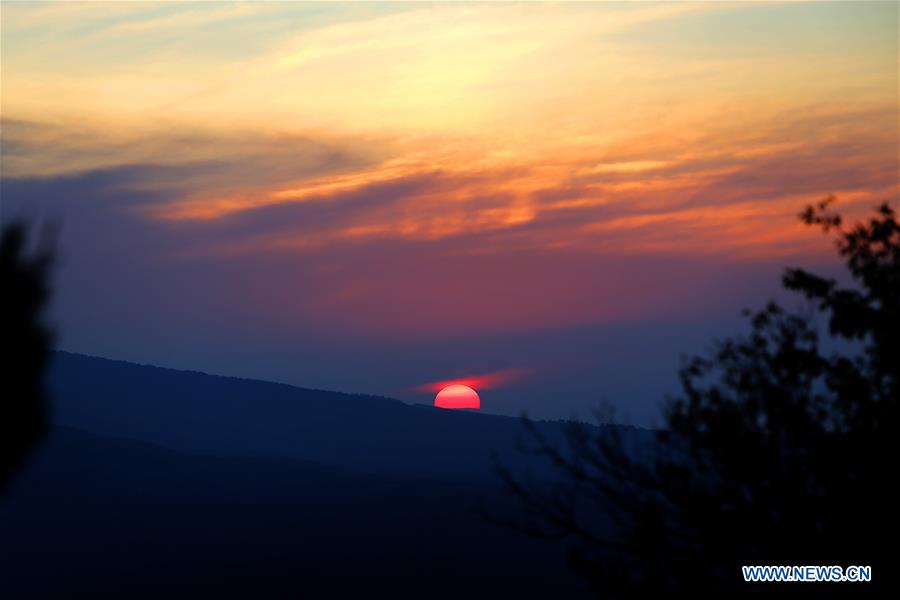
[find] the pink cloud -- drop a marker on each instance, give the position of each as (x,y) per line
(484,381)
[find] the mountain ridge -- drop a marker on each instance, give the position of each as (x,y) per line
(214,414)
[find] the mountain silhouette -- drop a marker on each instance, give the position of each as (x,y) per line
(156,482)
(195,412)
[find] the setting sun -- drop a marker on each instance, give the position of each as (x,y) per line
(457,396)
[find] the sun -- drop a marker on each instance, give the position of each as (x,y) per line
(457,396)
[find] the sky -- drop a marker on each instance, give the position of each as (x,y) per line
(552,201)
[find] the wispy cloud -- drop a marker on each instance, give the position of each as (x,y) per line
(737,196)
(483,381)
(512,145)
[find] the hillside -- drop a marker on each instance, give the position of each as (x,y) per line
(196,412)
(97,517)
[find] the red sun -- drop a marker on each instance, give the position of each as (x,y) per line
(457,396)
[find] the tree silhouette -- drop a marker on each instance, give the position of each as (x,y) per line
(776,451)
(26,341)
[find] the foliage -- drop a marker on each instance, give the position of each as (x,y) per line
(776,451)
(26,343)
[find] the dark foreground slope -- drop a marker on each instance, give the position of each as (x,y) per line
(197,412)
(96,517)
(162,483)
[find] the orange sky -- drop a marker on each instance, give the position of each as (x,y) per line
(369,196)
(659,126)
(501,164)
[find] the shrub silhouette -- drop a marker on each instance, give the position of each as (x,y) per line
(26,341)
(776,451)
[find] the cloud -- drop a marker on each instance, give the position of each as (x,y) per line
(443,68)
(400,161)
(411,192)
(287,271)
(180,168)
(731,191)
(182,18)
(739,197)
(533,126)
(485,381)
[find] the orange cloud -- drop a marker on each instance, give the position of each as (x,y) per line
(506,127)
(729,191)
